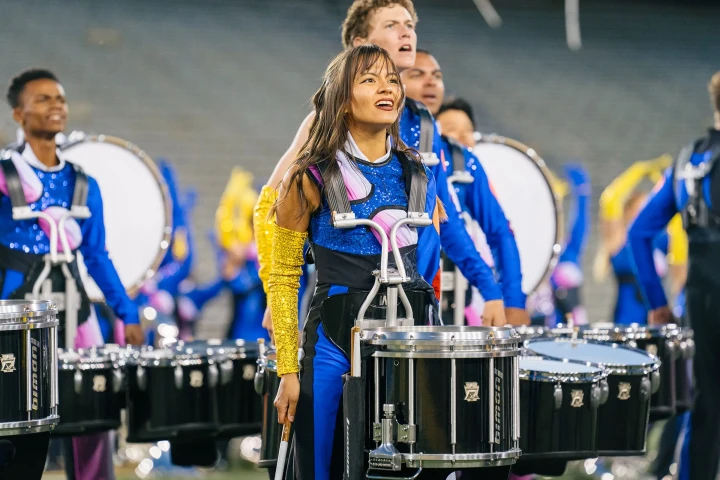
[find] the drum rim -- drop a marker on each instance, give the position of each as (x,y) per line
(539,162)
(596,375)
(90,358)
(78,137)
(613,368)
(441,334)
(12,309)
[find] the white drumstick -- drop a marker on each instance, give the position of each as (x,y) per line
(282,454)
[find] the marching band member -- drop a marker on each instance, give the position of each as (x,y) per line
(690,189)
(391,25)
(424,81)
(619,204)
(38,175)
(355,134)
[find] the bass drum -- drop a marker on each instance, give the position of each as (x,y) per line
(521,183)
(136,206)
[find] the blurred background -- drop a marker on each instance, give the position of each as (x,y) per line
(215,84)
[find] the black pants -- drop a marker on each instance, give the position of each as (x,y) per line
(703,308)
(23,456)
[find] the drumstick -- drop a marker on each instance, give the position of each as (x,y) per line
(282,455)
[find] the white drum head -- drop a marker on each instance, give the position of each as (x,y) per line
(517,177)
(136,207)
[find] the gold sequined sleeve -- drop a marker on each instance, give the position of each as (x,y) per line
(264,228)
(283,286)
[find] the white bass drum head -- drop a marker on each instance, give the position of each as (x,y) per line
(519,180)
(136,207)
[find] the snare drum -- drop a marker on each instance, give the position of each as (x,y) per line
(171,393)
(267,384)
(239,410)
(90,383)
(28,367)
(658,341)
(443,397)
(559,404)
(685,352)
(632,378)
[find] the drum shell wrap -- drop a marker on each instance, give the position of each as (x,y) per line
(663,402)
(13,376)
(239,410)
(547,432)
(90,410)
(161,411)
(684,370)
(433,404)
(271,429)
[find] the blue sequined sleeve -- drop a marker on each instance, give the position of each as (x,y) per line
(651,220)
(204,293)
(98,263)
(581,190)
(484,207)
(456,241)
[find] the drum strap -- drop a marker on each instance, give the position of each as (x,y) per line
(81,187)
(339,201)
(696,211)
(427,124)
(14,184)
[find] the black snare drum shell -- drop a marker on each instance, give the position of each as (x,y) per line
(271,429)
(239,409)
(13,371)
(568,433)
(683,383)
(433,397)
(161,411)
(663,402)
(622,424)
(92,410)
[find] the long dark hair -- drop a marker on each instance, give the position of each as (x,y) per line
(329,129)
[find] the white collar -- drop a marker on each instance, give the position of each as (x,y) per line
(354,150)
(29,156)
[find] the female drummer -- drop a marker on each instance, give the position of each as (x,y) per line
(354,134)
(619,204)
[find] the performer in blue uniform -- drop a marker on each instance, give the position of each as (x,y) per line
(691,188)
(424,82)
(37,175)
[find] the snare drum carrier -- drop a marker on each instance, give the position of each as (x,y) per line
(51,276)
(347,255)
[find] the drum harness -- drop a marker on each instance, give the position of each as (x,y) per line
(69,301)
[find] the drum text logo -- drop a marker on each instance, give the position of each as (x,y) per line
(472,390)
(498,396)
(623,391)
(248,372)
(34,368)
(576,398)
(196,378)
(7,363)
(99,383)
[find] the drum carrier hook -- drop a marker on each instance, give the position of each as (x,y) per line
(391,277)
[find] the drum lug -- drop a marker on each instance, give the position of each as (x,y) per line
(670,345)
(558,394)
(226,372)
(141,378)
(406,433)
(645,388)
(213,376)
(595,396)
(688,348)
(386,456)
(655,381)
(178,377)
(117,380)
(632,343)
(604,391)
(78,378)
(260,380)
